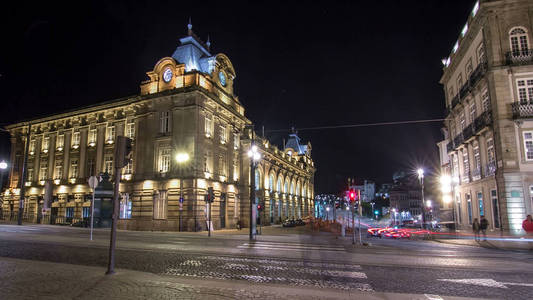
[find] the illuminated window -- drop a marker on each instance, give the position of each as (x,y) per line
(91,166)
(110,134)
(257,179)
(528,145)
(519,42)
(74,168)
(128,169)
(160,205)
(208,126)
(292,189)
(91,140)
(286,187)
(236,141)
(223,134)
(491,158)
(462,120)
(32,147)
(466,165)
(222,165)
(76,139)
(525,91)
(469,68)
(58,172)
(477,158)
(164,122)
(164,160)
(125,206)
(278,186)
(60,142)
(43,172)
(481,204)
(130,130)
(108,164)
(30,175)
(46,144)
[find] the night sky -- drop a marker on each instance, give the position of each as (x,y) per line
(299,65)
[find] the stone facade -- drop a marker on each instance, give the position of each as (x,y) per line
(489,122)
(187,108)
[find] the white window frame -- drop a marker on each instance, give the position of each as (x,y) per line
(524,89)
(466,164)
(92,136)
(223,134)
(130,130)
(477,157)
(160,205)
(526,140)
(473,111)
(485,100)
(518,41)
(43,171)
(75,139)
(222,165)
(60,144)
(108,164)
(491,155)
(32,146)
(165,122)
(58,172)
(164,159)
(110,134)
(46,144)
(74,168)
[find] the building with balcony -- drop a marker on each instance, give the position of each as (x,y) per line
(187,108)
(488,145)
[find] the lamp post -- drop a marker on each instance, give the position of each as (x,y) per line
(446,189)
(421,180)
(254,156)
(3,167)
(181,159)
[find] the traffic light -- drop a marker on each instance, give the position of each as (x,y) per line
(210,195)
(259,207)
(123,150)
(352,195)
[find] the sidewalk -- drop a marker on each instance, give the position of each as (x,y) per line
(25,279)
(494,240)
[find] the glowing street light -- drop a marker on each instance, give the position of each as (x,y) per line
(182,158)
(3,166)
(420,172)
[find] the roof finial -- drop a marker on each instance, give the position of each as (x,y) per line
(208,43)
(189,27)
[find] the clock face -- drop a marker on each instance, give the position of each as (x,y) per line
(167,75)
(222,78)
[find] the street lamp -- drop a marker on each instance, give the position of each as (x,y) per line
(182,158)
(3,167)
(254,156)
(421,180)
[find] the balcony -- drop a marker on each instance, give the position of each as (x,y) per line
(471,82)
(464,90)
(469,132)
(449,147)
(520,57)
(484,120)
(478,73)
(458,140)
(522,110)
(476,173)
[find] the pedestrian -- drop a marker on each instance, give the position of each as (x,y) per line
(475,228)
(527,225)
(483,225)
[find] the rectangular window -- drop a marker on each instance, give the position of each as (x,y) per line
(466,165)
(76,140)
(91,167)
(160,205)
(43,173)
(74,168)
(528,145)
(164,121)
(46,144)
(485,100)
(110,134)
(86,212)
(60,144)
(459,81)
(208,126)
(223,134)
(130,130)
(477,159)
(472,111)
(495,208)
(222,165)
(108,164)
(455,166)
(58,172)
(480,54)
(236,141)
(480,203)
(70,212)
(462,121)
(164,160)
(91,139)
(459,211)
(32,147)
(469,207)
(30,175)
(525,91)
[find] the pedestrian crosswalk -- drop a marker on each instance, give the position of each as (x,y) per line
(277,271)
(290,246)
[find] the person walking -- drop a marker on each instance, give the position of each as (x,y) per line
(475,228)
(527,225)
(483,225)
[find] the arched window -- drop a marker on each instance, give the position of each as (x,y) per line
(279,185)
(298,189)
(286,188)
(519,41)
(257,179)
(271,183)
(292,188)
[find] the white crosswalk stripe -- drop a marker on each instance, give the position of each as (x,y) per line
(290,246)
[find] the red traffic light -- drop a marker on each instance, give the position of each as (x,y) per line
(351,195)
(259,207)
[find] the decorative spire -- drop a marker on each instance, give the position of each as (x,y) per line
(208,43)
(189,27)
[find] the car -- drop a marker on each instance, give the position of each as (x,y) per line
(288,223)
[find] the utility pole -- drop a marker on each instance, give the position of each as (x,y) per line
(23,175)
(122,150)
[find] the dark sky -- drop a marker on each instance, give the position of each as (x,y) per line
(301,64)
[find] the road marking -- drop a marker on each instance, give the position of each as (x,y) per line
(433,297)
(295,247)
(487,282)
(271,262)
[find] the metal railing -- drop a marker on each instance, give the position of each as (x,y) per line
(519,57)
(472,80)
(490,169)
(522,110)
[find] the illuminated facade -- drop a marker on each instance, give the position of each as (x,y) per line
(189,133)
(488,84)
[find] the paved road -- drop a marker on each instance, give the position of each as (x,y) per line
(289,257)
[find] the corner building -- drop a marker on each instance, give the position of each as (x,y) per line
(189,133)
(488,83)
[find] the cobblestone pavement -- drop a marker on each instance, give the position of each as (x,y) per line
(365,271)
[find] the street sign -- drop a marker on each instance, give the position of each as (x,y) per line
(93,182)
(181,199)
